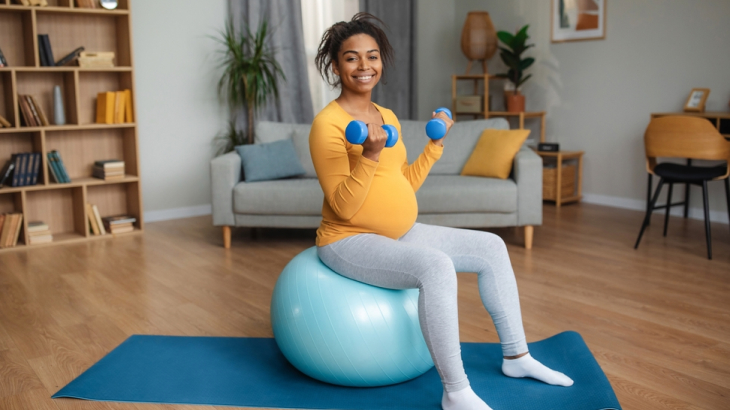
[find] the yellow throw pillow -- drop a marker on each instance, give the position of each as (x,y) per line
(494,153)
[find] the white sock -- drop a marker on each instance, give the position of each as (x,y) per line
(464,399)
(527,366)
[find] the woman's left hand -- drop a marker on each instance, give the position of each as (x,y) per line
(449,122)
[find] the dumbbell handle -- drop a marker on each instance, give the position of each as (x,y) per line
(357,132)
(436,128)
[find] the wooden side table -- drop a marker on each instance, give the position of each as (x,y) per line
(557,183)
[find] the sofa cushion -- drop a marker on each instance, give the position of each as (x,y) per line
(267,131)
(283,197)
(494,154)
(462,194)
(459,143)
(272,160)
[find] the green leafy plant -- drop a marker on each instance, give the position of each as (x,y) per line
(250,71)
(512,56)
(229,139)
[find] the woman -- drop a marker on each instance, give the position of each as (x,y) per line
(369,231)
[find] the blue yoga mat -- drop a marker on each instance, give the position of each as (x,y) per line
(252,372)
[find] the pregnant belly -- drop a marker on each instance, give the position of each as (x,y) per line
(390,208)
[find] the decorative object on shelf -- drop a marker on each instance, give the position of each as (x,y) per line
(250,70)
(478,39)
(512,58)
(59,114)
(696,100)
(103,59)
(6,175)
(109,4)
(3,61)
(548,147)
(469,104)
(575,20)
(70,57)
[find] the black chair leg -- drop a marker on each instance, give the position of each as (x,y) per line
(727,195)
(708,234)
(669,207)
(648,195)
(649,210)
(686,200)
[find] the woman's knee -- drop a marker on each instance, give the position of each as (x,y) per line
(437,270)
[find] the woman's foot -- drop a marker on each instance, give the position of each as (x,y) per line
(464,399)
(527,366)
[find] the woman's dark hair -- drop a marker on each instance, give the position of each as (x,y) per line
(361,23)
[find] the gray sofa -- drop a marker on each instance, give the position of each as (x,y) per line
(446,198)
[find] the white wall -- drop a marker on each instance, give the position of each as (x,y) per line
(178,110)
(599,94)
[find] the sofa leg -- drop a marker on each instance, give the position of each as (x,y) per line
(227,237)
(529,229)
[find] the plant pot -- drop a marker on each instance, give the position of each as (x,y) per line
(515,103)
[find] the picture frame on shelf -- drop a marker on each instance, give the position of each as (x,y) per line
(696,100)
(577,20)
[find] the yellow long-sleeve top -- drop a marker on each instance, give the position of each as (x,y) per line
(360,195)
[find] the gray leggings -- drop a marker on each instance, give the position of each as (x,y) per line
(427,258)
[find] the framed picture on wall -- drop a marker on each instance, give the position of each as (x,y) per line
(576,20)
(696,100)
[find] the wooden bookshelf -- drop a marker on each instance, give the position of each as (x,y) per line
(81,141)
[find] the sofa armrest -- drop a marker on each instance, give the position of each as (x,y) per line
(225,173)
(528,176)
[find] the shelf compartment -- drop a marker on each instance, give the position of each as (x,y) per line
(101,32)
(61,209)
(7,102)
(93,83)
(80,149)
(11,203)
(16,37)
(21,142)
(115,199)
(40,86)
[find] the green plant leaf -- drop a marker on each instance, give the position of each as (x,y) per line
(505,37)
(524,64)
(522,81)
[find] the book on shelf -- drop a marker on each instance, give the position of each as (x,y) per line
(3,61)
(70,57)
(119,223)
(4,122)
(11,226)
(114,107)
(99,222)
(27,114)
(45,51)
(39,232)
(38,111)
(93,225)
(25,167)
(32,112)
(109,169)
(6,176)
(86,4)
(57,168)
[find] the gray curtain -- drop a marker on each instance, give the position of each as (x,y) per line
(398,90)
(287,40)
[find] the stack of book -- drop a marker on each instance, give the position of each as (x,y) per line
(21,170)
(57,169)
(11,224)
(114,107)
(109,169)
(33,114)
(90,59)
(38,232)
(95,223)
(119,223)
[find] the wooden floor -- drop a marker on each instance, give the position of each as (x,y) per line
(657,319)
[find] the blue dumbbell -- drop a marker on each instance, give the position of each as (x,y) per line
(357,132)
(436,128)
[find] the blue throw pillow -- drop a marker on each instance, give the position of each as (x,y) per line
(273,160)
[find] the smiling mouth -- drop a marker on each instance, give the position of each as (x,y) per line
(364,77)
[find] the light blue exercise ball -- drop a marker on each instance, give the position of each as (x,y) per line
(345,332)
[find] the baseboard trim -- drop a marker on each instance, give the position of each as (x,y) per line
(638,205)
(177,213)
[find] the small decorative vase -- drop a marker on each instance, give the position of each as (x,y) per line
(59,117)
(516,103)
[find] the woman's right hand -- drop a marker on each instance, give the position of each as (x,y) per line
(374,143)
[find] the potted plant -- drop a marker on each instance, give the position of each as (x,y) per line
(512,57)
(250,76)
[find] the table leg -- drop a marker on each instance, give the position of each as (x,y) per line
(559,184)
(522,120)
(648,198)
(542,128)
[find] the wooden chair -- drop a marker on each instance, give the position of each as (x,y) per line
(684,137)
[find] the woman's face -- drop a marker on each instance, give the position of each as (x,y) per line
(358,63)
